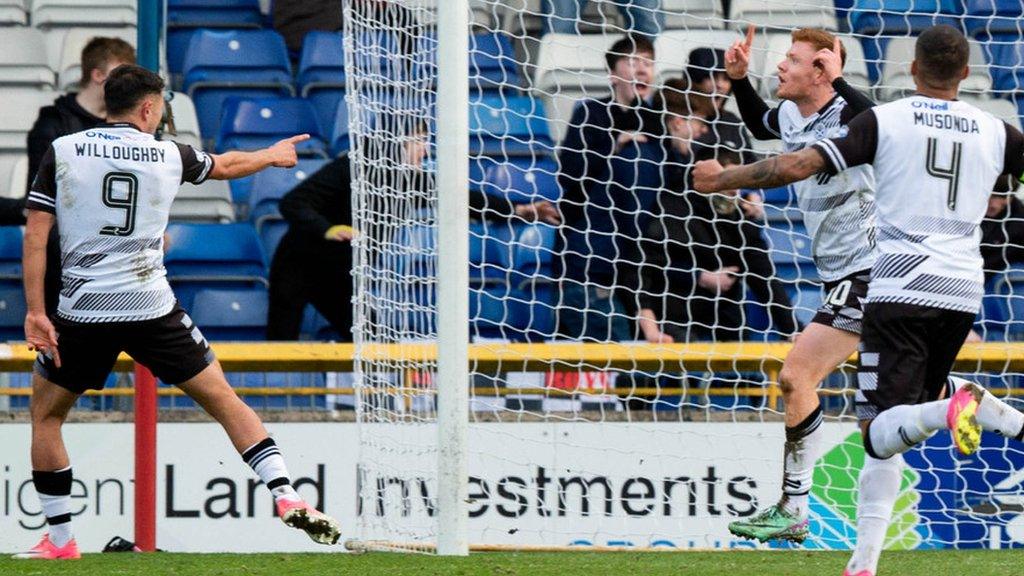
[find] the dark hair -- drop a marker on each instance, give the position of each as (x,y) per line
(704,63)
(100,51)
(626,47)
(127,85)
(941,53)
(676,100)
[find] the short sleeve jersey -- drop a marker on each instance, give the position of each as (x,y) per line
(838,209)
(111,189)
(936,162)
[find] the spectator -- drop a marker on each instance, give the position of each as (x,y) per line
(313,262)
(643,17)
(70,113)
(610,174)
(1002,230)
(706,74)
(699,255)
(293,19)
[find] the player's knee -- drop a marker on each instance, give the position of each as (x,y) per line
(792,381)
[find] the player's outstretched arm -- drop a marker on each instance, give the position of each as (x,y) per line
(232,165)
(709,176)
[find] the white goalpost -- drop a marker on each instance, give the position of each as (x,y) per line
(466,132)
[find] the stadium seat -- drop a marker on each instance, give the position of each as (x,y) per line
(208,202)
(280,380)
(220,64)
(782,14)
(492,63)
(269,186)
(790,251)
(18,114)
(67,13)
(176,44)
(533,252)
(18,179)
(214,14)
(221,256)
(231,314)
(986,18)
(896,79)
(12,314)
(692,14)
(254,123)
(271,232)
(490,253)
(13,12)
(186,122)
(316,327)
(504,127)
(321,77)
(1005,55)
(522,184)
(340,140)
(69,71)
(10,255)
(24,63)
(895,17)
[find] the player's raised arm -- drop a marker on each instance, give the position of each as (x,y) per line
(232,165)
(753,109)
(830,61)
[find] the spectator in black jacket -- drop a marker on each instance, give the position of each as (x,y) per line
(610,173)
(705,74)
(313,262)
(1002,230)
(699,254)
(70,113)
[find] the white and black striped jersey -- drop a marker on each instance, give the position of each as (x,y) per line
(936,162)
(838,209)
(111,189)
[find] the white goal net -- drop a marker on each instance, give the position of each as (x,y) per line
(583,230)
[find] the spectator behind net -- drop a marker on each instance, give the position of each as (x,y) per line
(699,255)
(705,74)
(610,172)
(313,262)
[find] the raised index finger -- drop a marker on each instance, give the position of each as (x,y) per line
(750,37)
(298,138)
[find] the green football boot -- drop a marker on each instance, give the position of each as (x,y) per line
(772,524)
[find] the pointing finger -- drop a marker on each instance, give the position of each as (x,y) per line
(750,37)
(298,138)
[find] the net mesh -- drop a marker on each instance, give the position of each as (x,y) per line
(573,238)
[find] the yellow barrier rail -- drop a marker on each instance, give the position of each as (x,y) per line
(518,357)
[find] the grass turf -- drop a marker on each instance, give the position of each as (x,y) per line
(924,563)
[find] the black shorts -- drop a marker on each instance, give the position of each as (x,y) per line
(843,307)
(170,346)
(906,353)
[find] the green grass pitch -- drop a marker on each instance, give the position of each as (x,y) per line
(789,563)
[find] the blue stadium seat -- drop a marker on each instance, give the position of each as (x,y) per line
(214,14)
(533,252)
(316,327)
(522,184)
(340,141)
(10,255)
(806,298)
(269,186)
(989,17)
(220,64)
(177,46)
(271,232)
(896,17)
(221,256)
(1005,55)
(490,254)
(12,314)
(254,123)
(492,62)
(231,314)
(504,127)
(321,77)
(790,251)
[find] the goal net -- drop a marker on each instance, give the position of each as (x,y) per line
(651,320)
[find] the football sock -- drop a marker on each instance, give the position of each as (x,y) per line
(803,443)
(993,414)
(879,485)
(266,461)
(897,429)
(54,489)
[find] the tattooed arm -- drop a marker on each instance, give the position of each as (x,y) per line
(709,176)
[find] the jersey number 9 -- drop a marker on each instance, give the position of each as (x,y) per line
(128,186)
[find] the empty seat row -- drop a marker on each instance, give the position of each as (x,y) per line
(49,60)
(65,13)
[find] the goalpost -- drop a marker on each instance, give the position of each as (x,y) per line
(568,441)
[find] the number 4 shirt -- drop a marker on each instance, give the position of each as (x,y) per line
(111,189)
(936,162)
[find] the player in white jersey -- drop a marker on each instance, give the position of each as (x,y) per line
(936,160)
(839,213)
(111,189)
